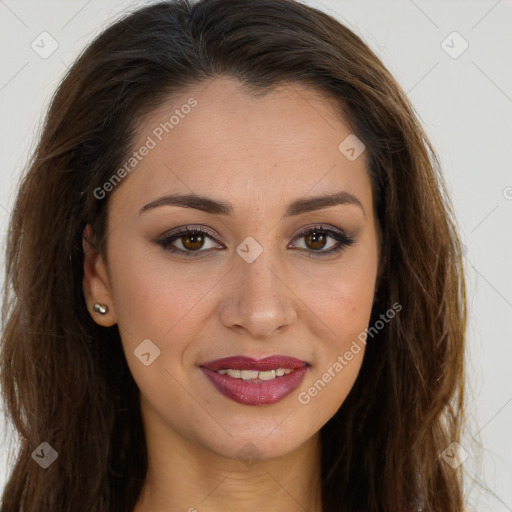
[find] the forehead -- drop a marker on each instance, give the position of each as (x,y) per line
(220,140)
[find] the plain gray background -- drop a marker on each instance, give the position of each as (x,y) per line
(465,104)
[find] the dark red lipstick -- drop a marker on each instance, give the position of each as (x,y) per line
(255,381)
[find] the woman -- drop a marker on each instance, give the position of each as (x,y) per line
(233,277)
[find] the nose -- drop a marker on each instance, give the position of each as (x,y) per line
(257,300)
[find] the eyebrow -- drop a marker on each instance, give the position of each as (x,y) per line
(217,207)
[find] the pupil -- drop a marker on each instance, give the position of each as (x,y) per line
(194,240)
(318,240)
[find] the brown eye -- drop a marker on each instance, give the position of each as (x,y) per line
(320,241)
(193,241)
(189,242)
(315,240)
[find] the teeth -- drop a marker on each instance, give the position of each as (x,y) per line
(268,375)
(253,374)
(248,374)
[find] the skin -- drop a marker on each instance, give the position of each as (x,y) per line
(260,154)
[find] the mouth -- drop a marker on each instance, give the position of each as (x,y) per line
(255,381)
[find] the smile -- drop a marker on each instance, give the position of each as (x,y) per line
(255,381)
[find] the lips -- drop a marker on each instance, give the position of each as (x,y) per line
(255,381)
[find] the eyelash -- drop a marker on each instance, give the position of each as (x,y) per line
(342,238)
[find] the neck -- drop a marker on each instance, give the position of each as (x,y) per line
(185,476)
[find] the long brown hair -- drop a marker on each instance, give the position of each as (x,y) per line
(65,380)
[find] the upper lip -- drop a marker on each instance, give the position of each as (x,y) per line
(248,363)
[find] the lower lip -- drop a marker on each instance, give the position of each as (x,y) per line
(256,393)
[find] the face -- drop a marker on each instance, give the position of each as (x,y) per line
(264,271)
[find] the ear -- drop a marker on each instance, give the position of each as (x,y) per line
(96,284)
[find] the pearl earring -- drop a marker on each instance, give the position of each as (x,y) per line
(100,308)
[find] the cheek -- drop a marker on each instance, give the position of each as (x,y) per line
(345,308)
(155,301)
(152,294)
(344,296)
(349,300)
